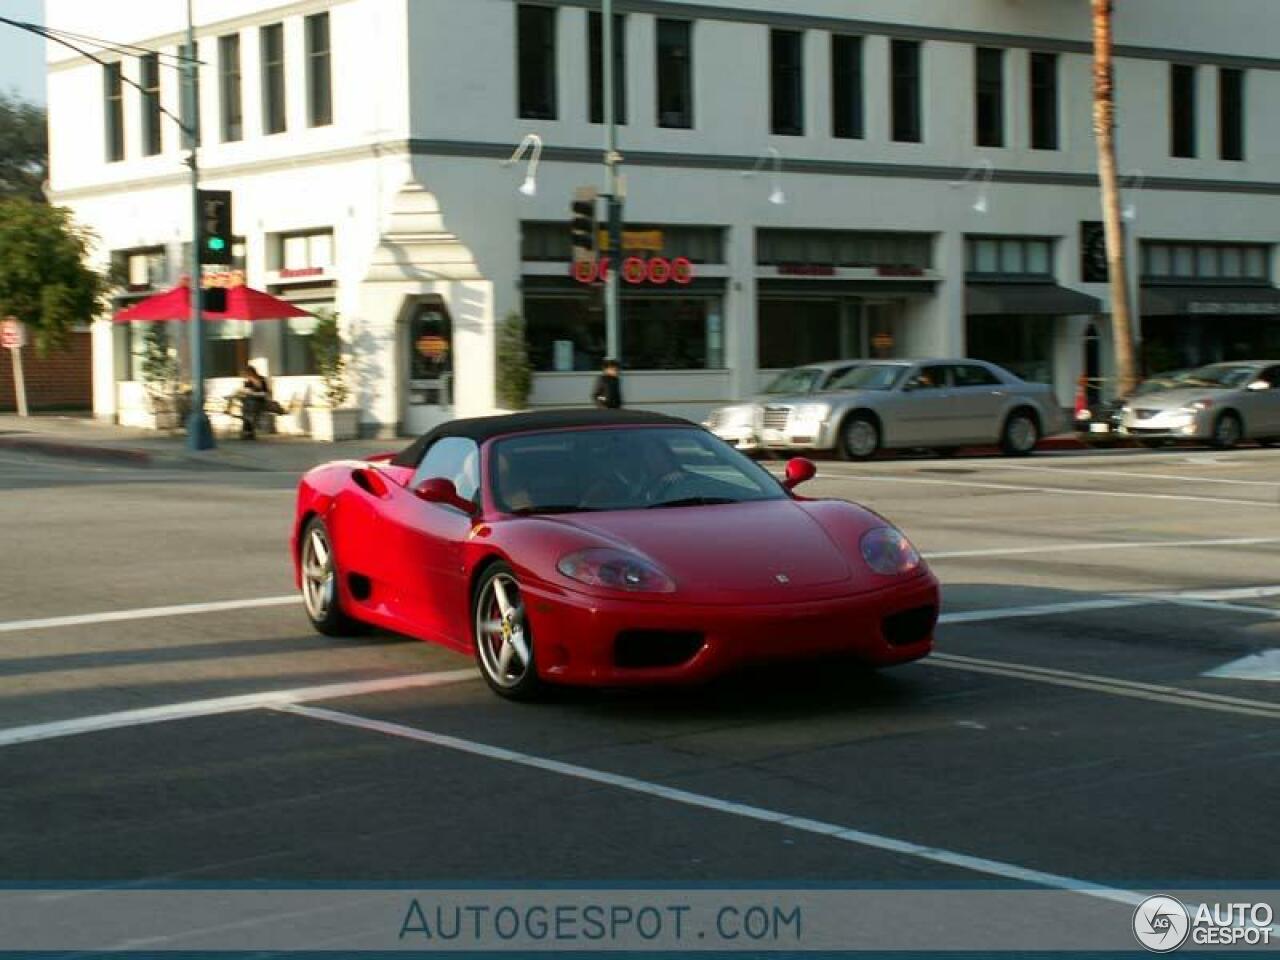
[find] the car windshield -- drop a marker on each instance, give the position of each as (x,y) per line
(1161,381)
(1224,376)
(873,376)
(622,468)
(798,380)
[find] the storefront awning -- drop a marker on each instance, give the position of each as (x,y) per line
(1033,299)
(1210,301)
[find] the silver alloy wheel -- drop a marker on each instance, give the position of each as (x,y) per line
(861,438)
(501,640)
(1022,433)
(1227,433)
(318,575)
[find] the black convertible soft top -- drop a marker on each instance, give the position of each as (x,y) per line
(481,429)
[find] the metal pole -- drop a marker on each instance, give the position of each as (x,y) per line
(19,384)
(199,431)
(613,312)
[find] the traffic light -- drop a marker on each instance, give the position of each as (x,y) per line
(215,227)
(582,228)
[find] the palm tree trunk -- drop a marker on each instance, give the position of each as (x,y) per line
(1104,121)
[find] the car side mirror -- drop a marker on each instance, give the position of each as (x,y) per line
(799,470)
(442,490)
(1260,385)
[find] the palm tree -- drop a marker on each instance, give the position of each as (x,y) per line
(1104,122)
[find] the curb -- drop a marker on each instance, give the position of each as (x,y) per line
(78,451)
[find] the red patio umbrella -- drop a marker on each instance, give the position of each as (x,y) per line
(243,303)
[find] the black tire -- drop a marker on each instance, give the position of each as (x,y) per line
(499,580)
(859,438)
(1020,434)
(321,598)
(1228,431)
(1269,442)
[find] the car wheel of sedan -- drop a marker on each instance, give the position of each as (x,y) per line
(1227,432)
(504,642)
(1020,435)
(320,582)
(859,438)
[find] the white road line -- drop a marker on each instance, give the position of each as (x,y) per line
(1101,545)
(834,831)
(1087,472)
(1158,693)
(222,705)
(1226,593)
(1073,491)
(1044,609)
(146,613)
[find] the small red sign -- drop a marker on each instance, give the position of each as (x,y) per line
(806,270)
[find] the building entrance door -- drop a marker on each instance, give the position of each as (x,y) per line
(429,348)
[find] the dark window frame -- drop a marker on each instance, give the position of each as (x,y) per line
(149,81)
(1232,102)
(906,59)
(674,56)
(537,90)
(230,88)
(848,110)
(319,70)
(113,111)
(786,82)
(1182,111)
(275,107)
(1043,101)
(595,67)
(988,96)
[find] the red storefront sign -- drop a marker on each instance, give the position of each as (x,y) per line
(637,270)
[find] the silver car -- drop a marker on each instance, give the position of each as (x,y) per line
(941,404)
(1223,403)
(737,424)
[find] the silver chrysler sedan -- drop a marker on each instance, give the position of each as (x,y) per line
(737,423)
(940,404)
(1222,403)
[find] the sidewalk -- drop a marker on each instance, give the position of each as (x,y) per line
(79,436)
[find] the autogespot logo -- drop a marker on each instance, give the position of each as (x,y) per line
(1161,924)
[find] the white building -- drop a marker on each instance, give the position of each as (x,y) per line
(936,173)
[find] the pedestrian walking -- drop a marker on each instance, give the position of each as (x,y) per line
(608,390)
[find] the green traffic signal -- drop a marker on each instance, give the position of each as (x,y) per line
(217,243)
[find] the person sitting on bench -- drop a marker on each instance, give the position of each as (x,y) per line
(255,395)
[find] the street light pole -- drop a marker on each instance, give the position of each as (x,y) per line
(199,431)
(613,312)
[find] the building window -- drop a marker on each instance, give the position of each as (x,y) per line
(113,111)
(1244,264)
(904,68)
(536,41)
(226,349)
(1044,101)
(786,59)
(319,72)
(273,104)
(908,254)
(1182,110)
(565,333)
(149,80)
(311,250)
(989,96)
(189,105)
(297,359)
(1022,257)
(846,87)
(229,87)
(675,74)
(1231,113)
(595,45)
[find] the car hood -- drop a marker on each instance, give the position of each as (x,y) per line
(739,549)
(1173,399)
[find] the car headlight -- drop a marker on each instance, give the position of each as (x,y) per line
(1085,414)
(812,411)
(733,416)
(1197,406)
(615,569)
(888,551)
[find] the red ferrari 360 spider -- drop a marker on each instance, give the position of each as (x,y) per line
(603,547)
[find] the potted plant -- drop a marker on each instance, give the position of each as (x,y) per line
(515,373)
(331,419)
(160,378)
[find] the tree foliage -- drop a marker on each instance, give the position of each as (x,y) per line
(44,281)
(515,374)
(326,345)
(24,148)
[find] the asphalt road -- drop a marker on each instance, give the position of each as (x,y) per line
(1068,723)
